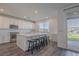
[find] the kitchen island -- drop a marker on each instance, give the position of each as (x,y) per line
(22,39)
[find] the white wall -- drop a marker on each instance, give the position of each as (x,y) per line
(62,32)
(53,29)
(36,27)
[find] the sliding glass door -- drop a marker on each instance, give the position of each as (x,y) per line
(73,34)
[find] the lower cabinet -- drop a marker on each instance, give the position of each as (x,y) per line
(4,37)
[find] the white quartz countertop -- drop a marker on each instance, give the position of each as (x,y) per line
(32,34)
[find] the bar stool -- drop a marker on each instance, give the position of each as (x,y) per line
(36,43)
(31,46)
(41,41)
(46,39)
(34,38)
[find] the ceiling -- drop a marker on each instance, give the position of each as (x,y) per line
(27,10)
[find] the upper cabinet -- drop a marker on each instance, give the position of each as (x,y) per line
(5,22)
(25,25)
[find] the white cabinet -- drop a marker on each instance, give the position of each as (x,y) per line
(1,38)
(5,23)
(25,25)
(13,21)
(4,37)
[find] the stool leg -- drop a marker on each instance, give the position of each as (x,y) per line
(32,47)
(47,41)
(29,47)
(37,45)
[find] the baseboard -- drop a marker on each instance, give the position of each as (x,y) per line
(69,49)
(5,43)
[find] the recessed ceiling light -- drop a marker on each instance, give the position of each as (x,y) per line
(46,17)
(35,11)
(1,9)
(24,16)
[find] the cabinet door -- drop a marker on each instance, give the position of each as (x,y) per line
(1,37)
(5,22)
(6,37)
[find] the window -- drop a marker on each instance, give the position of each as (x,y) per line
(44,26)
